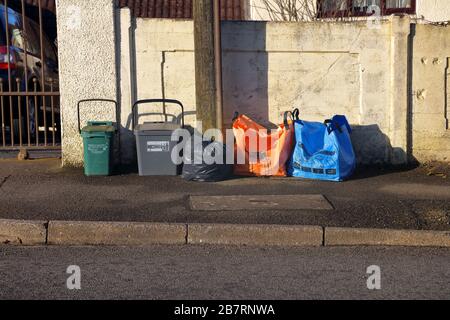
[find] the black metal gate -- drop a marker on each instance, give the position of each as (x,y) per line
(29,85)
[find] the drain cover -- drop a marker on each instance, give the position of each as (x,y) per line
(264,202)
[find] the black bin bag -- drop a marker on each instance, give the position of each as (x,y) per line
(200,163)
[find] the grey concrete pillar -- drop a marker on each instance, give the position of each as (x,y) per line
(398,114)
(87,63)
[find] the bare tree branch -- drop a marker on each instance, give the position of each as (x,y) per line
(302,10)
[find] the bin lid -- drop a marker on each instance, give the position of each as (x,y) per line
(98,129)
(155,128)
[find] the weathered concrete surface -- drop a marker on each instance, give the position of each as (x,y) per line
(398,112)
(266,202)
(42,190)
(259,235)
(322,67)
(17,232)
(431,93)
(270,68)
(87,67)
(433,10)
(114,233)
(379,237)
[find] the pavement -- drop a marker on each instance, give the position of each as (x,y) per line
(230,273)
(409,199)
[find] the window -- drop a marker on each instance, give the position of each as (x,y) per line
(351,8)
(14,27)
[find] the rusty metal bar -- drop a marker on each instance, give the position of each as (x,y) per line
(11,116)
(36,112)
(41,38)
(28,122)
(25,48)
(3,114)
(17,148)
(29,94)
(30,88)
(44,114)
(53,115)
(8,57)
(19,108)
(8,53)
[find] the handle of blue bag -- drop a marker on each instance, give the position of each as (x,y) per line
(332,125)
(342,120)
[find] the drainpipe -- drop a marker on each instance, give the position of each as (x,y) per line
(218,63)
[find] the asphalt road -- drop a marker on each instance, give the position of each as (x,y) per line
(190,272)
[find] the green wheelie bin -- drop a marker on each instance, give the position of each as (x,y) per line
(98,142)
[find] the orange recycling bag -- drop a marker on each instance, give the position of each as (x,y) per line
(260,151)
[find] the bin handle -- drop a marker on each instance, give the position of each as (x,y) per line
(170,101)
(116,110)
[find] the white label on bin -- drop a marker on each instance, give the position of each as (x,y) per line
(97,148)
(158,146)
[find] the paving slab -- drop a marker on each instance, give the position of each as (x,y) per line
(385,237)
(114,233)
(42,190)
(17,232)
(257,235)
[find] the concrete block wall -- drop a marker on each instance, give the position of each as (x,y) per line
(433,10)
(430,93)
(269,68)
(322,68)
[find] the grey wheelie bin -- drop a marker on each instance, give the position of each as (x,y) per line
(154,143)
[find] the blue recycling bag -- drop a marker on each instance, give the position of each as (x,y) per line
(323,151)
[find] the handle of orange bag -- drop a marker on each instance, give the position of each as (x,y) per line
(285,119)
(295,114)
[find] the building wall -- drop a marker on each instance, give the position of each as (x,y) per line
(269,68)
(433,10)
(322,68)
(431,93)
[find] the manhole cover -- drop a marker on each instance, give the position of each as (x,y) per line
(260,202)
